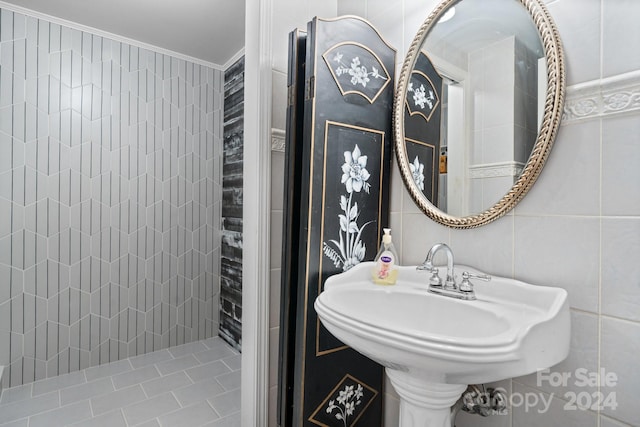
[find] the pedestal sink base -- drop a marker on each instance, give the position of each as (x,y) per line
(424,403)
(511,329)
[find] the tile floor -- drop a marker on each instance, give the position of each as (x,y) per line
(195,384)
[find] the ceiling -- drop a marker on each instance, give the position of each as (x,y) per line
(209,30)
(477,24)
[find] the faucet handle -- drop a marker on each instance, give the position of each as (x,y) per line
(435,280)
(466,285)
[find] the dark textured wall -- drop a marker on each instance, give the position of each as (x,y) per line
(231,263)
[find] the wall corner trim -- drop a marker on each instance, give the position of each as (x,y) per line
(256,273)
(233,59)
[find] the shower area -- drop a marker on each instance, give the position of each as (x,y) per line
(120,230)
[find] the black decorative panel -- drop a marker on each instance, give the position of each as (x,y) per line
(424,167)
(291,227)
(351,206)
(422,126)
(231,246)
(345,404)
(344,148)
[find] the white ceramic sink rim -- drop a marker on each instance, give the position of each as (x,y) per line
(516,308)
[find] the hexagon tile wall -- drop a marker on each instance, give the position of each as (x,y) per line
(110,199)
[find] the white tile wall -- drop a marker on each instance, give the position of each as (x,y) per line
(621,271)
(580,25)
(620,190)
(107,171)
(620,22)
(619,351)
(578,228)
(547,410)
(567,185)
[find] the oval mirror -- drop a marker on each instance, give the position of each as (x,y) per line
(477,107)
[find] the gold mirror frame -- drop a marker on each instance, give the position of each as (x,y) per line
(551,119)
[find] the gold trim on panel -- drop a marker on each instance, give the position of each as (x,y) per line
(420,113)
(434,165)
(338,385)
(324,181)
(330,351)
(359,18)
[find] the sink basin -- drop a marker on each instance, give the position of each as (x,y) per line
(442,343)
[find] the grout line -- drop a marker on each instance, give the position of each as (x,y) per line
(617,318)
(122,414)
(139,384)
(600,231)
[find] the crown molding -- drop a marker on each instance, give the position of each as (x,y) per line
(115,37)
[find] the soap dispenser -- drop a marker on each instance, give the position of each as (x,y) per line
(385,270)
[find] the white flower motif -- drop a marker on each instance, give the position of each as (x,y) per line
(358,255)
(343,203)
(345,394)
(359,74)
(417,170)
(354,172)
(359,392)
(349,224)
(349,250)
(420,97)
(350,407)
(348,400)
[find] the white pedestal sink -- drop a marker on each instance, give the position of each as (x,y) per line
(433,346)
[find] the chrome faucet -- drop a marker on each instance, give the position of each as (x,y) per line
(450,282)
(449,288)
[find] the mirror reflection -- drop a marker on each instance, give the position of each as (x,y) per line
(473,104)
